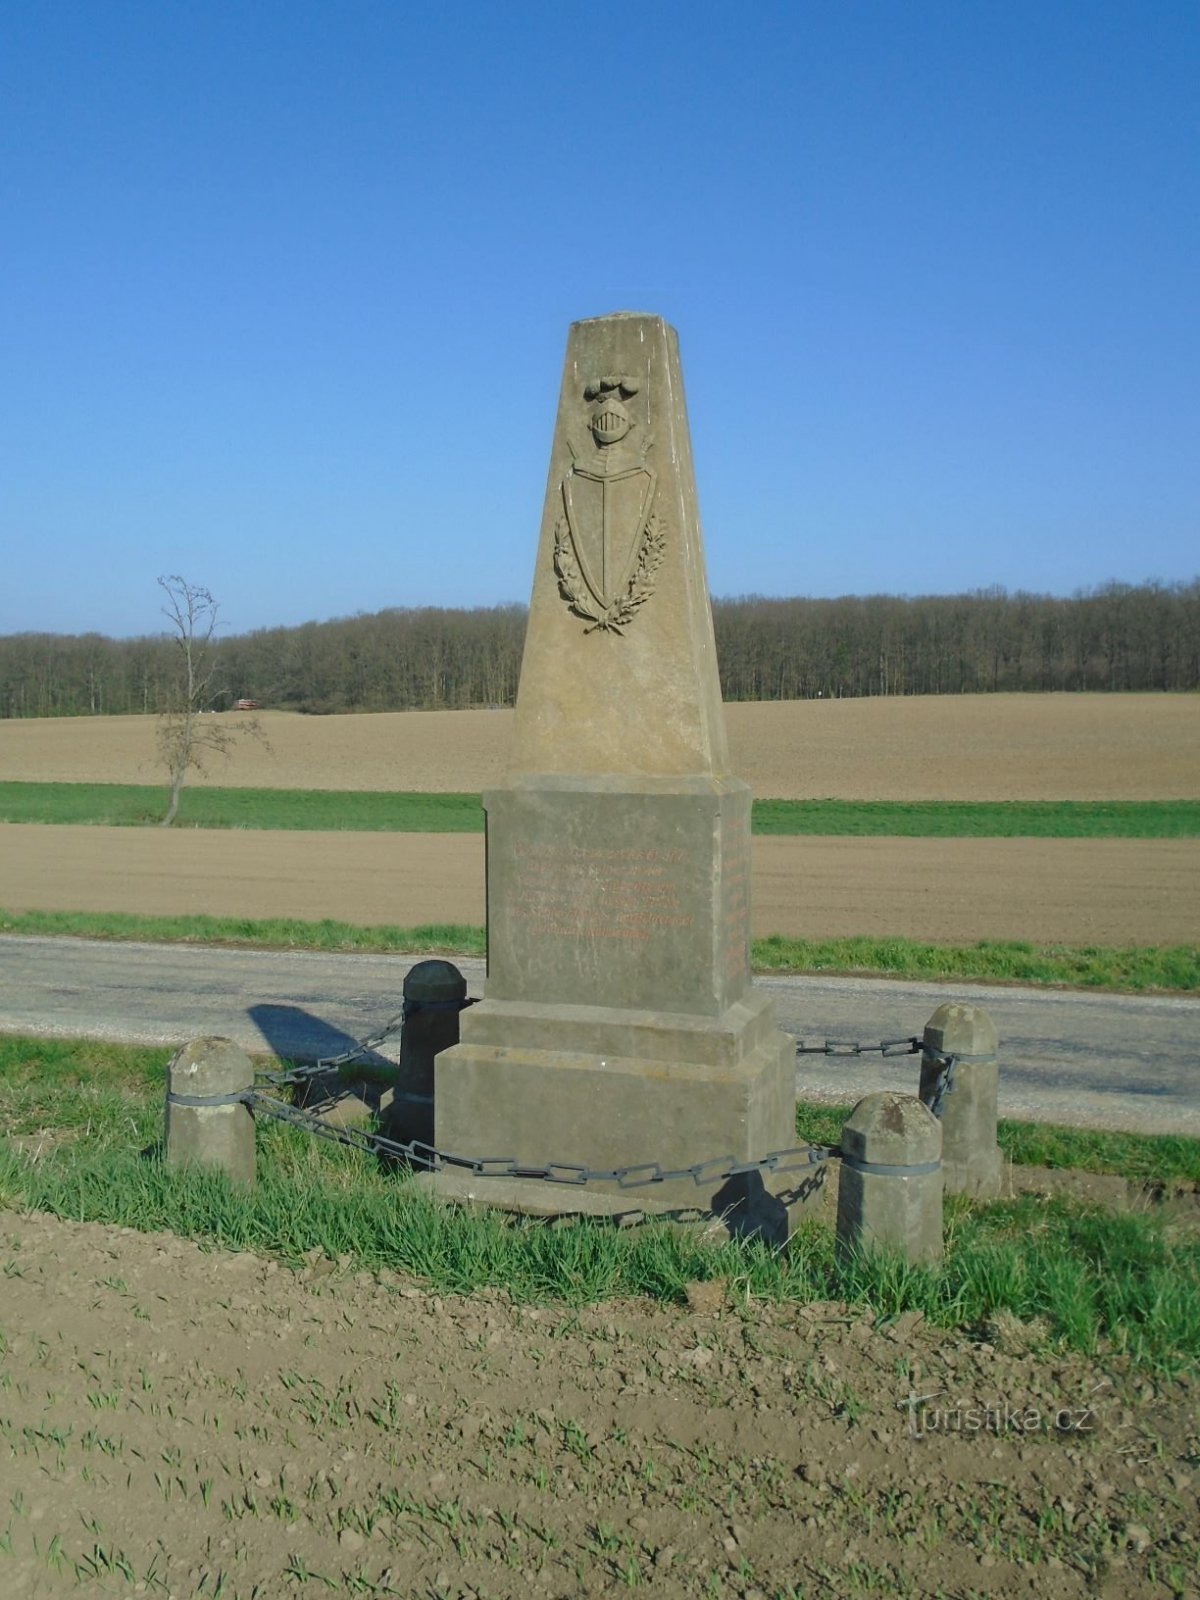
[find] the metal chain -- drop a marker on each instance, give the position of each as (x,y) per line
(563,1172)
(908,1046)
(643,1174)
(911,1046)
(362,1047)
(945,1078)
(327,1064)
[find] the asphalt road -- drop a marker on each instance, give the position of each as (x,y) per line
(1100,1060)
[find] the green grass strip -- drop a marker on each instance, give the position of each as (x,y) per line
(322,810)
(80,1123)
(54,1083)
(270,933)
(1165,1159)
(1126,1281)
(1141,1157)
(1130,969)
(328,810)
(39,1077)
(1134,970)
(998,819)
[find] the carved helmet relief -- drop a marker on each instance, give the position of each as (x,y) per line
(609,539)
(610,421)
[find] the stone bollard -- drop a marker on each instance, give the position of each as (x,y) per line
(971,1159)
(434,995)
(207,1121)
(890,1186)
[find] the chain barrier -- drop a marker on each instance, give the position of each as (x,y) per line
(644,1173)
(415,1152)
(944,1084)
(359,1048)
(910,1045)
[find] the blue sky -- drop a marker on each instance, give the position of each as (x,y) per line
(285,289)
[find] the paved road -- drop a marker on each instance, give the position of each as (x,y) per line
(1089,1059)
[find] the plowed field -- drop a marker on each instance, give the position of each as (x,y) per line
(953,747)
(949,891)
(196,1423)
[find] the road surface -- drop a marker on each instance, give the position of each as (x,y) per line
(1099,1060)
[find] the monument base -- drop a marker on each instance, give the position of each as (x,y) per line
(604,1088)
(770,1211)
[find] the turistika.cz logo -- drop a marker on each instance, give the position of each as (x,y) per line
(998,1417)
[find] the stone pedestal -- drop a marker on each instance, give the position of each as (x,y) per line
(619,1026)
(626,891)
(601,1087)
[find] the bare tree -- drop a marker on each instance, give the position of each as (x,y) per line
(187,734)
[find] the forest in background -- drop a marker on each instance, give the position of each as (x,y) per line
(1119,637)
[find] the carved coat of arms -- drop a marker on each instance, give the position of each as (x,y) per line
(609,539)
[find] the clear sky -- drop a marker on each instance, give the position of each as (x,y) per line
(285,287)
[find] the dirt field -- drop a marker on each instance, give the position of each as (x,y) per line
(178,1422)
(188,1423)
(969,747)
(947,891)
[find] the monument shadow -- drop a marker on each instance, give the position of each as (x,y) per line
(296,1035)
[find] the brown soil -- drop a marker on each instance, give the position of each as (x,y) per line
(969,747)
(191,1423)
(180,1422)
(948,891)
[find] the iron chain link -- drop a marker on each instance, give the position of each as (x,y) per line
(908,1046)
(945,1079)
(328,1064)
(358,1049)
(417,1153)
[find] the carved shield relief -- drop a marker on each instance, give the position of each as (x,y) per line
(608,541)
(607,517)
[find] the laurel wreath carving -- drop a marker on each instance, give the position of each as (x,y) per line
(574,589)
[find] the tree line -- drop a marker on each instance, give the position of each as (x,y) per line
(1116,637)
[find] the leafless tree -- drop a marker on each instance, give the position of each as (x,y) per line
(188,730)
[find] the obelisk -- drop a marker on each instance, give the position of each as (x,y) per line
(619,1025)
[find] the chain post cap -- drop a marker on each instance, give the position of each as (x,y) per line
(434,981)
(209,1066)
(892,1130)
(961,1030)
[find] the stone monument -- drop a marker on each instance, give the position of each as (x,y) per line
(619,1025)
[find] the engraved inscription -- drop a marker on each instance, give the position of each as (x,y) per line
(609,540)
(577,892)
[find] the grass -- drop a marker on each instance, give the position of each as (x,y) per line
(68,1084)
(1122,1279)
(999,819)
(1143,1158)
(56,1090)
(1126,1282)
(1132,970)
(323,810)
(273,933)
(134,805)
